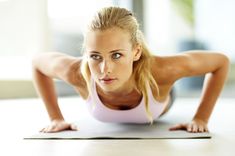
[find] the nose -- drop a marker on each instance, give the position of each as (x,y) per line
(105,67)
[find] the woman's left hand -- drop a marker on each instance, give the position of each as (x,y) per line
(195,126)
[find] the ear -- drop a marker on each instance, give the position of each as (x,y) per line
(137,52)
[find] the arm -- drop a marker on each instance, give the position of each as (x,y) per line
(215,66)
(46,67)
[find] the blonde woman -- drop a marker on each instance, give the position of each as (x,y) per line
(121,81)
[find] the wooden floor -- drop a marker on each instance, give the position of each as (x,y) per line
(23,117)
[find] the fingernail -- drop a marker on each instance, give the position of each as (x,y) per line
(74,127)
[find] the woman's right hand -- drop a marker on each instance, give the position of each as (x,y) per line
(58,125)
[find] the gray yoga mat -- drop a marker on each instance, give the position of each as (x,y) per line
(93,129)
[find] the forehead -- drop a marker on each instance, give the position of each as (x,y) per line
(109,39)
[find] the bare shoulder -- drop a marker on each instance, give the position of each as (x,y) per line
(73,72)
(62,66)
(188,63)
(74,77)
(166,69)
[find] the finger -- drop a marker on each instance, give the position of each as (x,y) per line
(73,127)
(60,128)
(53,126)
(50,129)
(177,127)
(189,128)
(57,128)
(45,129)
(53,130)
(201,128)
(194,128)
(42,129)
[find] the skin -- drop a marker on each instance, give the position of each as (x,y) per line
(110,54)
(111,59)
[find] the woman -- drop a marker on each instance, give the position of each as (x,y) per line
(121,81)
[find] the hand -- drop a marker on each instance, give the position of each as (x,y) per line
(58,125)
(195,126)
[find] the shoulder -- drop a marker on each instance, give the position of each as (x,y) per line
(167,69)
(61,66)
(66,67)
(188,63)
(74,77)
(73,74)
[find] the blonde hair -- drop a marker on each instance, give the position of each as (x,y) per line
(110,17)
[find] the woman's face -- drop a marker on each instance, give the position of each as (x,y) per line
(110,58)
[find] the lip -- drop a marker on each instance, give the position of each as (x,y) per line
(107,80)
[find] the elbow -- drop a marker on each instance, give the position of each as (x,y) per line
(34,61)
(222,59)
(225,61)
(37,61)
(224,64)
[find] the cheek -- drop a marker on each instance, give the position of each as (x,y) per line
(126,68)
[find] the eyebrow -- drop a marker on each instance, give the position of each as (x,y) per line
(112,51)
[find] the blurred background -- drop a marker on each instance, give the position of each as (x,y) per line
(28,27)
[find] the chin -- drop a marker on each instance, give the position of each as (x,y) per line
(109,88)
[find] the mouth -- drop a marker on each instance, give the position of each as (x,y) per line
(107,80)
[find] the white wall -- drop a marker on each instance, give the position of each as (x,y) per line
(23,32)
(23,27)
(157,22)
(164,27)
(215,24)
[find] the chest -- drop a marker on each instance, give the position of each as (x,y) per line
(121,102)
(131,100)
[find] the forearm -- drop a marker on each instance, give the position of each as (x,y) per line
(46,90)
(212,88)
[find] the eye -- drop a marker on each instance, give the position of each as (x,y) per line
(95,57)
(116,55)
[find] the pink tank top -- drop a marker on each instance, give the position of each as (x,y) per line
(135,115)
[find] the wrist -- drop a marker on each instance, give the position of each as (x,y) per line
(57,119)
(196,118)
